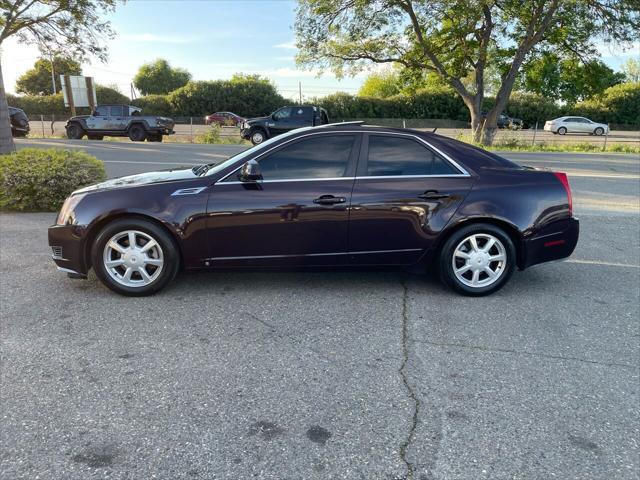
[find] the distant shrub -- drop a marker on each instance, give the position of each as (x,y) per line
(214,135)
(154,105)
(34,179)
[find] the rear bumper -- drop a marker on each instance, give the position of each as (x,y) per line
(67,244)
(558,241)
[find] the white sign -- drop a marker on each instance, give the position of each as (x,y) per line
(79,91)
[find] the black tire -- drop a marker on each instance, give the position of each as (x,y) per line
(137,133)
(598,131)
(257,136)
(169,249)
(95,137)
(446,259)
(75,131)
(562,130)
(155,137)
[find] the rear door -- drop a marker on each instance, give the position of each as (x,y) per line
(404,194)
(296,215)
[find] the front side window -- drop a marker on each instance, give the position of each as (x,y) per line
(282,113)
(321,156)
(394,156)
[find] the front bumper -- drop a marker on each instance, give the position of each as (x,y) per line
(68,246)
(245,133)
(558,241)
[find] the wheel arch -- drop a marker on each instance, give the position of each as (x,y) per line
(509,228)
(142,123)
(95,228)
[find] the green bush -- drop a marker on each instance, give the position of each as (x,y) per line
(617,105)
(154,105)
(34,179)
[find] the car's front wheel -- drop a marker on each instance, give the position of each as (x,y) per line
(599,131)
(137,133)
(135,257)
(257,137)
(477,260)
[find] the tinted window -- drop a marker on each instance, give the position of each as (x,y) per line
(102,111)
(391,156)
(324,156)
(282,113)
(116,111)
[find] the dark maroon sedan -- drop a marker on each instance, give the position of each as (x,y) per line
(228,119)
(345,195)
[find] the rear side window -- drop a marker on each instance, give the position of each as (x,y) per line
(116,111)
(322,156)
(394,156)
(102,111)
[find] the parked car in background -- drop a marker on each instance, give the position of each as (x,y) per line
(341,195)
(282,120)
(505,121)
(19,122)
(229,119)
(564,125)
(119,121)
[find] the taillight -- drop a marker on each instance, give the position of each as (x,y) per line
(565,183)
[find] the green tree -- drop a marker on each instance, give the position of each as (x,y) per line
(456,38)
(568,79)
(159,78)
(381,85)
(631,70)
(37,81)
(74,27)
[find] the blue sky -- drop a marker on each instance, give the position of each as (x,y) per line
(213,40)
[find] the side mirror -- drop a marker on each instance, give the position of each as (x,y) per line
(250,172)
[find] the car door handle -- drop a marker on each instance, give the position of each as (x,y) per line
(433,195)
(329,200)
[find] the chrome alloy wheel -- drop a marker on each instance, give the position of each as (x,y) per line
(257,138)
(133,258)
(479,260)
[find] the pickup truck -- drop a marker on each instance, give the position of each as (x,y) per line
(119,121)
(282,120)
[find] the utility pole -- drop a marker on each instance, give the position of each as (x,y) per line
(53,74)
(300,91)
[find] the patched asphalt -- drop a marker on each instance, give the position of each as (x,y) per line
(316,375)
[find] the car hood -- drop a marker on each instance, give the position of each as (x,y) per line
(159,176)
(251,121)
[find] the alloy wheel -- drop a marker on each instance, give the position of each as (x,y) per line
(479,260)
(133,258)
(257,138)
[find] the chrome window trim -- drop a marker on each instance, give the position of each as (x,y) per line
(359,252)
(463,172)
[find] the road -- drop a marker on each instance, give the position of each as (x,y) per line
(318,375)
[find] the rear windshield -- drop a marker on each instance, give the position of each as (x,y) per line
(470,155)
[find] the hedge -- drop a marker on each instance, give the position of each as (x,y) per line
(33,179)
(54,104)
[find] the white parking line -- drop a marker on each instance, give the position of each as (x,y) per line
(598,262)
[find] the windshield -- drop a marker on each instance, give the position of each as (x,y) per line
(213,168)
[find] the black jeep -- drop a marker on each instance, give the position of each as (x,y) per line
(282,120)
(119,121)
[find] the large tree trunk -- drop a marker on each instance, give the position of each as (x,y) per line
(490,127)
(6,140)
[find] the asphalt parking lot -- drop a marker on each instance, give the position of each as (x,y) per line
(317,375)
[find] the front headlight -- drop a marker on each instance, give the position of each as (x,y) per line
(67,215)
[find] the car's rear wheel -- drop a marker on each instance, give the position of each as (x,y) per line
(598,131)
(137,133)
(562,130)
(257,137)
(477,260)
(134,257)
(75,132)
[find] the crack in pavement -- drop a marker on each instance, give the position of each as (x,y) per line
(405,359)
(531,354)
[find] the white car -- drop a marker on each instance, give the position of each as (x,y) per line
(565,125)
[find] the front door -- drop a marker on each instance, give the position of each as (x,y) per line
(98,119)
(296,215)
(404,195)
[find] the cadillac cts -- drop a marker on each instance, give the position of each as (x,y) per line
(347,195)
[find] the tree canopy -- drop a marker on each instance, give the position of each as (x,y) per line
(37,81)
(457,39)
(159,78)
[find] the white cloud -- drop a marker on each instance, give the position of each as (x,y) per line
(618,50)
(287,45)
(154,38)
